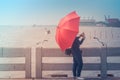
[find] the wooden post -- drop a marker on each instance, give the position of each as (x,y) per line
(39,63)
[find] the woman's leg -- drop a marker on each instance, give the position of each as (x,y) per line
(74,67)
(80,65)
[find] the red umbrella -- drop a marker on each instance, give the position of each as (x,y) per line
(67,30)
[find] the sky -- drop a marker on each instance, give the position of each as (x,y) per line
(49,12)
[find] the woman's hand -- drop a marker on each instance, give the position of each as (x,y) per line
(82,35)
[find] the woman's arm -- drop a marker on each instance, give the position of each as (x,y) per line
(82,36)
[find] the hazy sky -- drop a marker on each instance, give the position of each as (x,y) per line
(45,12)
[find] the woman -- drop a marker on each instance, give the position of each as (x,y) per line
(77,56)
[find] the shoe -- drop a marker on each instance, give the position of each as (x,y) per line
(74,78)
(80,78)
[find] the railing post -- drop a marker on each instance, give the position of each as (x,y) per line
(104,62)
(39,63)
(27,52)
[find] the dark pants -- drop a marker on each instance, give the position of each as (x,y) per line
(77,64)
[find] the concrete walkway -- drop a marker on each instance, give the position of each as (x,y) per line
(114,78)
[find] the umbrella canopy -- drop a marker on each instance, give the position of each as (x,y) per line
(67,30)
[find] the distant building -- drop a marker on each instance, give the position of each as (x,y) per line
(87,22)
(113,22)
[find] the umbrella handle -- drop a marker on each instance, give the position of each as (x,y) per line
(58,27)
